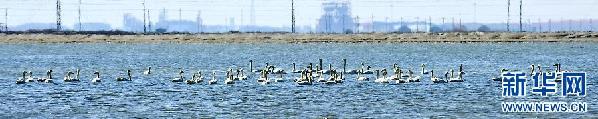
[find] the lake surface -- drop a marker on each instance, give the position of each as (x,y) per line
(156,96)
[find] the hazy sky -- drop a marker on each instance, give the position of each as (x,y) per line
(277,12)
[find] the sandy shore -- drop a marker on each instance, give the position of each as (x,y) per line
(304,38)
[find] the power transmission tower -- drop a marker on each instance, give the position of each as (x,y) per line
(79,15)
(549,25)
(58,15)
(144,19)
(198,20)
(149,21)
(508,15)
(5,19)
(293,16)
(520,15)
(252,13)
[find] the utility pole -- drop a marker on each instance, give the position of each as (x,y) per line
(520,15)
(144,27)
(58,15)
(508,15)
(79,15)
(293,16)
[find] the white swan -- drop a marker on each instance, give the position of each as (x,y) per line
(22,79)
(332,78)
(436,79)
(413,78)
(199,77)
(366,70)
(30,77)
(76,79)
(213,80)
(192,80)
(380,79)
(424,71)
(240,75)
(263,78)
(279,79)
(361,77)
(294,70)
(229,77)
(306,78)
(179,78)
(48,78)
(350,71)
(148,71)
(97,79)
(125,79)
(320,77)
(459,78)
(69,77)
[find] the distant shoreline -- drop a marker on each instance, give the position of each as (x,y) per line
(301,38)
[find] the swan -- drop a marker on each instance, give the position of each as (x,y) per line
(199,77)
(30,77)
(69,77)
(424,71)
(360,77)
(213,80)
(413,78)
(263,78)
(48,78)
(22,79)
(501,72)
(148,71)
(320,77)
(380,79)
(240,75)
(279,79)
(76,79)
(306,78)
(192,80)
(332,78)
(295,70)
(180,78)
(97,79)
(326,71)
(366,70)
(229,77)
(436,79)
(339,78)
(125,79)
(456,79)
(461,71)
(350,71)
(398,76)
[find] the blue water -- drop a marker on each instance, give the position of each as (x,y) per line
(155,96)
